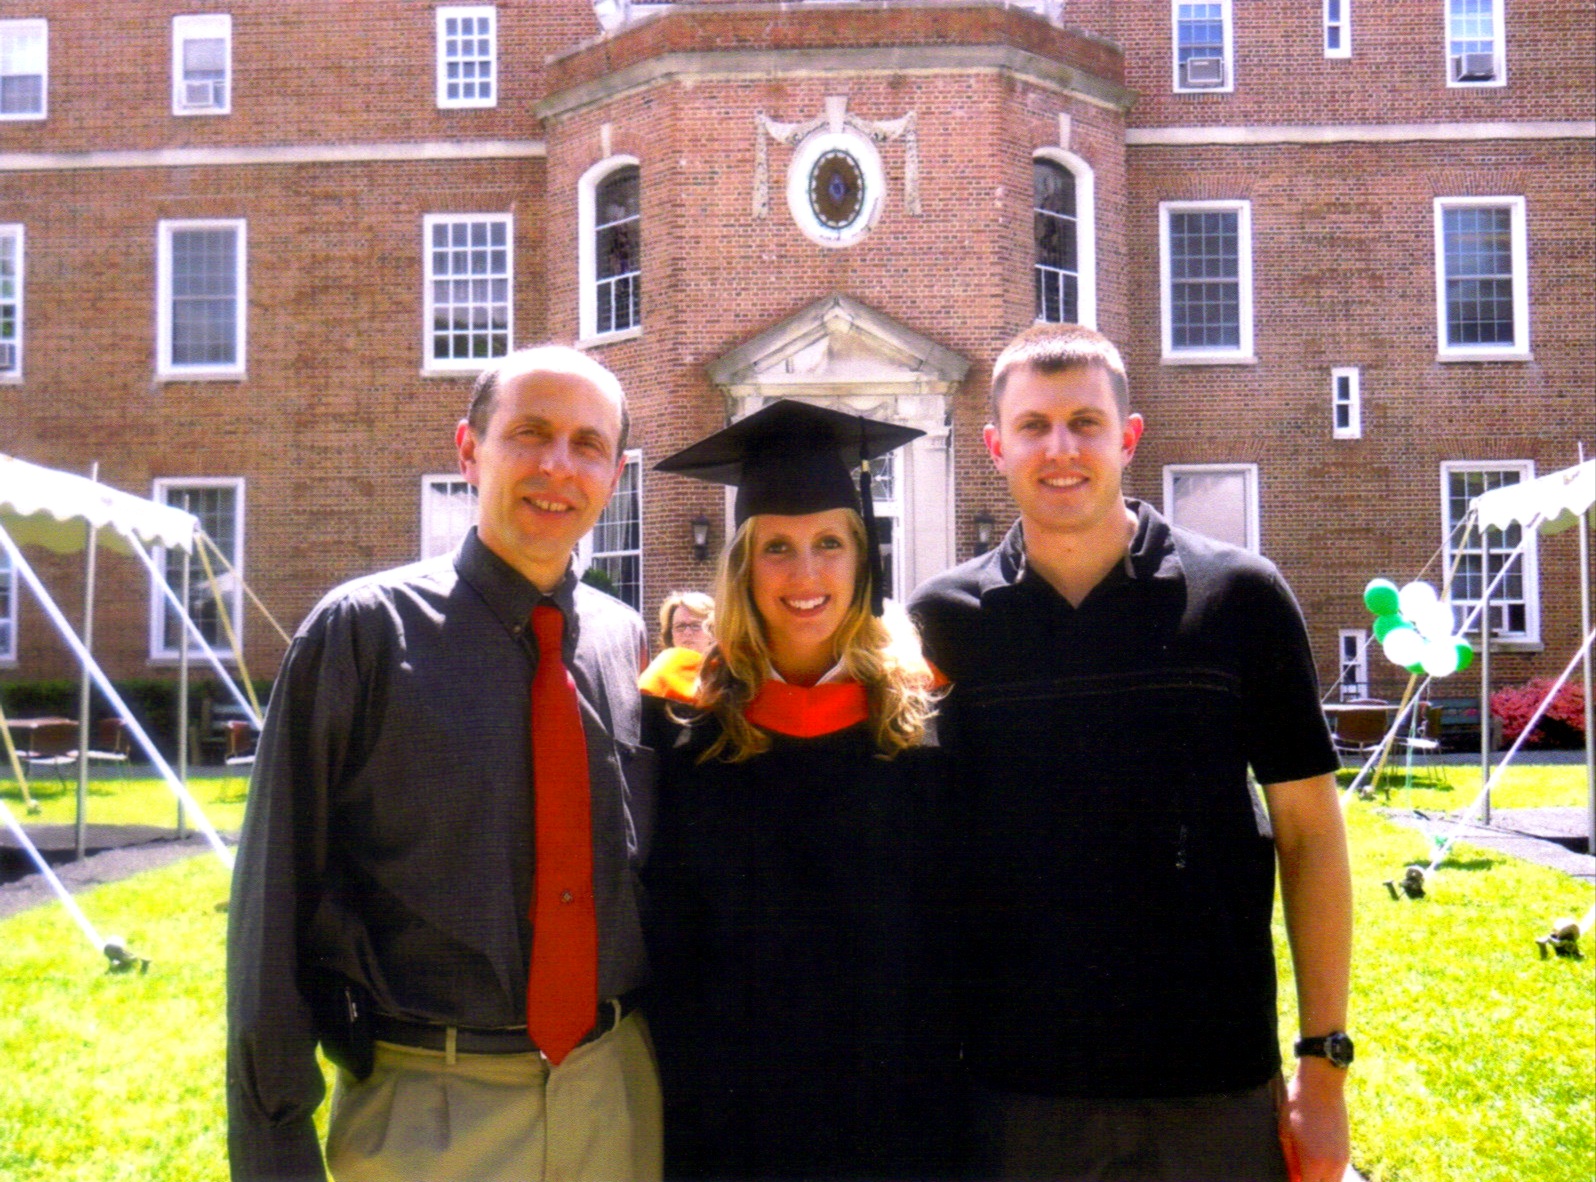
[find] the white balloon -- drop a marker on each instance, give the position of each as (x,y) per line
(1403,646)
(1434,622)
(1440,658)
(1416,599)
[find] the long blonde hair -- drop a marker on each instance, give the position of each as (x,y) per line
(896,680)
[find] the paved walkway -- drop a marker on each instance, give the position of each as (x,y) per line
(1555,837)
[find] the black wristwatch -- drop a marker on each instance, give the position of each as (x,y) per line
(1335,1047)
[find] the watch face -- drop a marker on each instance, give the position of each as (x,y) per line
(836,189)
(1338,1049)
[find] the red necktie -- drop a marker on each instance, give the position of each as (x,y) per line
(562,985)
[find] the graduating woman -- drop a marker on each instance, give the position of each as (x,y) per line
(801,1028)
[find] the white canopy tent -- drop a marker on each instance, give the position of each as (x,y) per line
(67,513)
(1552,504)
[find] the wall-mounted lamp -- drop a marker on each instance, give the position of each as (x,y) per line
(700,525)
(983,532)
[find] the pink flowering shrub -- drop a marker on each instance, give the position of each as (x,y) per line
(1563,724)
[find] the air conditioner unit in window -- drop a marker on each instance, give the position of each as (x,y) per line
(1473,67)
(1202,71)
(202,96)
(8,356)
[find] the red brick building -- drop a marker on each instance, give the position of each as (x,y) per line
(253,252)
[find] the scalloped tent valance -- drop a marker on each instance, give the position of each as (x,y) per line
(47,507)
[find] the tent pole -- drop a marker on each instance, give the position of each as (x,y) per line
(1590,707)
(90,548)
(140,735)
(1485,664)
(182,700)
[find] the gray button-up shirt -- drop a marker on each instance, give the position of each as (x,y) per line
(389,830)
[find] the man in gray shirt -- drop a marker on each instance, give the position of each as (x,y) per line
(381,902)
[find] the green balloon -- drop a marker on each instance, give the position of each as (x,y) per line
(1465,655)
(1417,668)
(1381,597)
(1383,625)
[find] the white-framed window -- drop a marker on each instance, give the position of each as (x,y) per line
(609,210)
(1353,645)
(202,64)
(8,609)
(614,548)
(468,288)
(218,502)
(1219,501)
(1476,51)
(448,511)
(1346,402)
(1481,278)
(200,298)
(1065,234)
(10,303)
(24,69)
(1202,45)
(468,56)
(1338,28)
(886,502)
(1205,268)
(1515,601)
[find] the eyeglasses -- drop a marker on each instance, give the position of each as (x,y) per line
(688,626)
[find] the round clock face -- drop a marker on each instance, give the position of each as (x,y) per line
(835,185)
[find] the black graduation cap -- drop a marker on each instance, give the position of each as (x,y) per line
(792,458)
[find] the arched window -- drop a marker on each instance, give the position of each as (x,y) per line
(614,256)
(1058,271)
(1064,229)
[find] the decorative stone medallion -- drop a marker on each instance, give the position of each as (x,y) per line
(835,186)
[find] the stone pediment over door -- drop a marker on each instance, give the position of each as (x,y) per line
(840,353)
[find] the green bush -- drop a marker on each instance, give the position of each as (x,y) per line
(152,700)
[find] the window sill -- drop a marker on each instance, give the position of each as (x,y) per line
(39,118)
(200,114)
(1452,355)
(469,374)
(469,106)
(611,338)
(1208,359)
(10,379)
(199,375)
(223,654)
(1515,644)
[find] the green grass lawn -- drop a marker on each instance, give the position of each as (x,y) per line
(136,799)
(1475,1057)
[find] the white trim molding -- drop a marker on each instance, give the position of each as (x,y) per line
(1346,391)
(1357,133)
(374,153)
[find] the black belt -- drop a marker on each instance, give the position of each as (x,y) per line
(474,1040)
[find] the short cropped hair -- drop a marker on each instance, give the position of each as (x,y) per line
(1053,348)
(546,359)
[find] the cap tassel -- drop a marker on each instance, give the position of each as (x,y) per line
(867,503)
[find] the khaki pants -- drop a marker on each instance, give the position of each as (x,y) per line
(502,1118)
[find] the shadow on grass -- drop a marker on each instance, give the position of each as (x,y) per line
(1471,864)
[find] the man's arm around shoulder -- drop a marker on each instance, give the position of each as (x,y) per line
(1316,895)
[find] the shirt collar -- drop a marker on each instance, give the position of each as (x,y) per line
(508,593)
(835,673)
(1151,554)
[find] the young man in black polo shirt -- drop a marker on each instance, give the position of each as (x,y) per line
(1114,678)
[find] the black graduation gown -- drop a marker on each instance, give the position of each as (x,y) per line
(801,1028)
